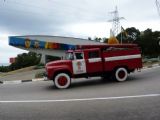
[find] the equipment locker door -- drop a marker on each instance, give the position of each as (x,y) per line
(94,62)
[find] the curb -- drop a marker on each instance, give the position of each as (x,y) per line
(151,66)
(45,79)
(23,81)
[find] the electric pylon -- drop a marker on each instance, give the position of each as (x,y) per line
(115,22)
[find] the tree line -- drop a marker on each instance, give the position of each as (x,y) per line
(147,40)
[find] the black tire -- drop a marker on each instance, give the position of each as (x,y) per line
(121,74)
(62,80)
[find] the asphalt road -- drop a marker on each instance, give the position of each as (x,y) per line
(136,99)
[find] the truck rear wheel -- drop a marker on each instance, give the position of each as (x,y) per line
(121,74)
(62,80)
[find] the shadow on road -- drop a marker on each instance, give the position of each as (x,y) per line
(91,82)
(97,82)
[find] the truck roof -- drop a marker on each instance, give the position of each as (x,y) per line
(107,46)
(81,50)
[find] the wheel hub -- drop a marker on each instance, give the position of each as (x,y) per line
(62,81)
(121,74)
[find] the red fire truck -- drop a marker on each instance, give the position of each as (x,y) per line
(115,61)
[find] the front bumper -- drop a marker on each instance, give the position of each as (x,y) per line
(45,76)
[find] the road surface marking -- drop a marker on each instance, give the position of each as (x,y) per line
(83,99)
(12,82)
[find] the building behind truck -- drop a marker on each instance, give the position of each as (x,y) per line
(50,47)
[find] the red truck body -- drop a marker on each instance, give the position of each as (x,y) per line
(115,61)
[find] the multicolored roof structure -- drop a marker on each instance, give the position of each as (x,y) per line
(49,42)
(49,45)
(36,44)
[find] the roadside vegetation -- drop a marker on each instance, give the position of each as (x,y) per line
(22,61)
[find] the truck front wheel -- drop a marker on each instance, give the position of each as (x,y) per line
(121,74)
(62,80)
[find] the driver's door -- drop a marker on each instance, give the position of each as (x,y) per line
(79,65)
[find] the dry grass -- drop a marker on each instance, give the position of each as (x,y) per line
(149,63)
(18,71)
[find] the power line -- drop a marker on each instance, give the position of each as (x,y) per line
(158,6)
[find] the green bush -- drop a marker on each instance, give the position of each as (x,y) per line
(39,75)
(39,66)
(25,60)
(4,68)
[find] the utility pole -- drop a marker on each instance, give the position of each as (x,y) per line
(115,21)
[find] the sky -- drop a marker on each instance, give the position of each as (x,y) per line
(70,18)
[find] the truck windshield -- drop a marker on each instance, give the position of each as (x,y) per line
(69,56)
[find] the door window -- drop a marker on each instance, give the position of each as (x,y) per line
(79,55)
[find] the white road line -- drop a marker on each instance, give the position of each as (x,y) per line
(12,82)
(83,99)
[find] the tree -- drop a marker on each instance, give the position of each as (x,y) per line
(4,69)
(25,60)
(133,34)
(89,38)
(97,39)
(105,40)
(130,35)
(149,43)
(147,40)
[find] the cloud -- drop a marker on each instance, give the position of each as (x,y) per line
(51,16)
(139,10)
(7,51)
(83,18)
(85,30)
(21,17)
